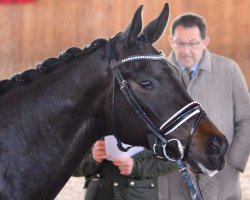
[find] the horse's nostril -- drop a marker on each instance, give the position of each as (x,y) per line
(214,151)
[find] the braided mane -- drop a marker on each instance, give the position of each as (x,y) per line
(48,65)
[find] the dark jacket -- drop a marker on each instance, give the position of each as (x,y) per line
(104,181)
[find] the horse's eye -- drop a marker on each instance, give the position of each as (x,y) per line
(147,84)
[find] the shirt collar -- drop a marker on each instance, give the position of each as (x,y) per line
(193,69)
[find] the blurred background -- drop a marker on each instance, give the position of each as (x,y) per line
(31,32)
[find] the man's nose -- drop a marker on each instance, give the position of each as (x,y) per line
(186,48)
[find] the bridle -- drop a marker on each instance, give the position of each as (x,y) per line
(128,94)
(160,142)
(172,123)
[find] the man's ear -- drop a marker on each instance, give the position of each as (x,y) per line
(170,40)
(206,42)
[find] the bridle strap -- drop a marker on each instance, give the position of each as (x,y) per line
(181,116)
(116,63)
(124,86)
(119,143)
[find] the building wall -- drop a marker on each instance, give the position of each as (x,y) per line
(30,33)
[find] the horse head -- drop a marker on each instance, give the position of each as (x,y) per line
(153,101)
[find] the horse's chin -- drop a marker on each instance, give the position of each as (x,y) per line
(198,168)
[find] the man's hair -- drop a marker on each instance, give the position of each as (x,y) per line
(189,20)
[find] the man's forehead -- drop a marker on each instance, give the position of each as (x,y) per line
(190,33)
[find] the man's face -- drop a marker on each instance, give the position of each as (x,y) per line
(187,45)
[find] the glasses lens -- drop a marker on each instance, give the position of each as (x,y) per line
(182,45)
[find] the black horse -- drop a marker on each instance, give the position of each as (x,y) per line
(50,116)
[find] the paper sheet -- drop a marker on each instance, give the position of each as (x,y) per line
(114,152)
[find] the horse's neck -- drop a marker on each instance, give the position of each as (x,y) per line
(55,119)
(72,89)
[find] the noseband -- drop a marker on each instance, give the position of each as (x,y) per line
(160,142)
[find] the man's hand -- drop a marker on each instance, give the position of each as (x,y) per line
(99,152)
(125,165)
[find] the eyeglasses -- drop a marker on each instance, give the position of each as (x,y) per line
(182,45)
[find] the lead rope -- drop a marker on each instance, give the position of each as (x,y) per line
(194,193)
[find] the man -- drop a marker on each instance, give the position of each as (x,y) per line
(115,175)
(218,84)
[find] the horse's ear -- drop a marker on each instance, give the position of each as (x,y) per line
(134,28)
(153,31)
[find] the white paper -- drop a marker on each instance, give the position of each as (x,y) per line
(114,152)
